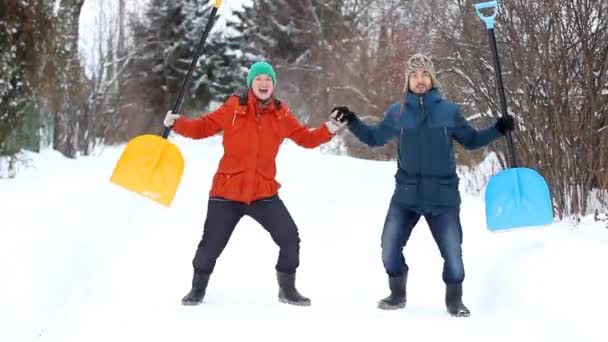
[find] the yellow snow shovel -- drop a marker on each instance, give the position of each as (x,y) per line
(151,165)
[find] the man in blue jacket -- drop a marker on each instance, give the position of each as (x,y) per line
(426,182)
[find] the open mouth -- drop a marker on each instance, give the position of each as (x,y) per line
(263,91)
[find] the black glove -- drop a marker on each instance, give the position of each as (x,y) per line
(505,124)
(344,114)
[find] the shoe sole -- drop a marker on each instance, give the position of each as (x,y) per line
(460,314)
(287,301)
(385,306)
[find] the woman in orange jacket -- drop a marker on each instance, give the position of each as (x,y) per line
(254,126)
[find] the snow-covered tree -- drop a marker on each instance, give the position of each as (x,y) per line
(223,71)
(24,29)
(166,41)
(335,52)
(306,41)
(14,87)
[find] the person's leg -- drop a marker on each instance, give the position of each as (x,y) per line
(447,232)
(274,217)
(222,217)
(398,227)
(272,214)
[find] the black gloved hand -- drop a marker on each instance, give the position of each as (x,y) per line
(505,124)
(344,114)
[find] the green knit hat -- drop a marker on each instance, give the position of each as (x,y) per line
(259,68)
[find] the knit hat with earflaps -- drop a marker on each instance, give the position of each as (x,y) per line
(420,62)
(259,68)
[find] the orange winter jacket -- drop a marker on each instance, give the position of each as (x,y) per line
(252,136)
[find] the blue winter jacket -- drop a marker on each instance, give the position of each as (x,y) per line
(425,127)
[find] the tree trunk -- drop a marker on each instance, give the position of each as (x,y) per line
(66,127)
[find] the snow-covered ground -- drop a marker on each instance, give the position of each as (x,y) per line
(85,260)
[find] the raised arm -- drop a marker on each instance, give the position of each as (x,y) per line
(302,135)
(375,135)
(207,124)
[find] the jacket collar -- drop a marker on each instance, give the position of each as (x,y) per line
(429,99)
(272,105)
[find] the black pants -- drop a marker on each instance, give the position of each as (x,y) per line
(223,216)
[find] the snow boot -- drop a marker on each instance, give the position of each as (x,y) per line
(453,301)
(396,300)
(287,290)
(199,286)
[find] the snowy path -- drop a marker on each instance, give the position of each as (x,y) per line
(84,260)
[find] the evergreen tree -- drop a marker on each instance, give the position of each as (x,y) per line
(219,72)
(167,40)
(24,32)
(14,88)
(234,52)
(307,42)
(222,72)
(161,66)
(157,73)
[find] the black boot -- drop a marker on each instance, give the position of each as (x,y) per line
(199,286)
(396,300)
(288,292)
(453,301)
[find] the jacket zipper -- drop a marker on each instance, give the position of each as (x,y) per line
(399,150)
(419,138)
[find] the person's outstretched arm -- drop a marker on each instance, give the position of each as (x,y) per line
(374,135)
(204,126)
(308,138)
(472,138)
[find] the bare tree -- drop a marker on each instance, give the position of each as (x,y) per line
(386,34)
(554,56)
(109,65)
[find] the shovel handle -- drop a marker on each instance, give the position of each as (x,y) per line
(489,20)
(197,53)
(166,132)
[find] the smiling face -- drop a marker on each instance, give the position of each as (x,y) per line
(262,87)
(420,82)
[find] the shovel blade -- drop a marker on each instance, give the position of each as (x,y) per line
(151,166)
(517,198)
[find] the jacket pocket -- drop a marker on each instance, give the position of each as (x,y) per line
(228,178)
(406,192)
(266,183)
(448,192)
(231,165)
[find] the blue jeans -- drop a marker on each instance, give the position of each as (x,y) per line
(445,228)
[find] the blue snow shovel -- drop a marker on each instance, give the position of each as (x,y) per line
(516,197)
